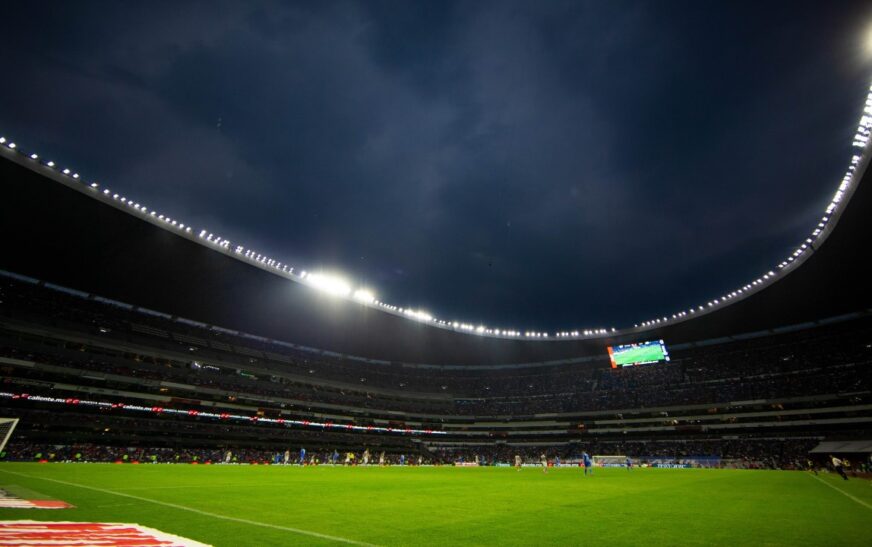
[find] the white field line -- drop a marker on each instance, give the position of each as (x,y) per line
(198,511)
(176,486)
(840,491)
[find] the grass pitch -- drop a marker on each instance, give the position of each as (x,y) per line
(275,505)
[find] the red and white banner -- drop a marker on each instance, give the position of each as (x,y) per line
(35,533)
(8,501)
(15,503)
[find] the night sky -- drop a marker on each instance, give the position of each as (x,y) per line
(541,165)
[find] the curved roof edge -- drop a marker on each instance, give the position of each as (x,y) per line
(61,234)
(855,172)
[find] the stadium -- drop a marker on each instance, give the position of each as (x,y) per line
(166,385)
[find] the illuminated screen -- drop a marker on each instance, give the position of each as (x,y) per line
(638,354)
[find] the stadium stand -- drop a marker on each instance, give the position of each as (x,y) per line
(762,401)
(99,360)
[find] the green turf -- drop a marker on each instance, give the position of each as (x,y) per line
(453,506)
(639,354)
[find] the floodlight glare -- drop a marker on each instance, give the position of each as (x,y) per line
(867,42)
(365,296)
(419,315)
(329,284)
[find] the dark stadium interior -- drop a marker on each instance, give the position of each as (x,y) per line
(369,273)
(98,306)
(768,398)
(765,379)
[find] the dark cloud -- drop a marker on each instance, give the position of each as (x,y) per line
(570,164)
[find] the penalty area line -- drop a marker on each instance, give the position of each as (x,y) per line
(199,511)
(840,491)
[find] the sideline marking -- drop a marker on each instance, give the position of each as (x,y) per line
(840,491)
(198,511)
(191,486)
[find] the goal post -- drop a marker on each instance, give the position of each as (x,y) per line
(7,426)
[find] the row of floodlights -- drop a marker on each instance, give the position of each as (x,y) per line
(337,286)
(328,283)
(861,140)
(107,193)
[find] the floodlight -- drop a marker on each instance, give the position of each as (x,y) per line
(364,295)
(329,283)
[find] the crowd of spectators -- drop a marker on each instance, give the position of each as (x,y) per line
(145,355)
(694,378)
(788,454)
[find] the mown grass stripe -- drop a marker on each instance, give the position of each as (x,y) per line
(198,511)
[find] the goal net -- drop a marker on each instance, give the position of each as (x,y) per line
(7,426)
(610,461)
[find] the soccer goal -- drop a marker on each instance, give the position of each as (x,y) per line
(610,461)
(7,426)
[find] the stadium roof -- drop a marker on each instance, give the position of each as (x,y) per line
(63,235)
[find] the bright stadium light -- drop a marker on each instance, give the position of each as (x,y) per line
(364,295)
(867,42)
(330,284)
(419,315)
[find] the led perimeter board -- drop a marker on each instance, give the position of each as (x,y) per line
(638,354)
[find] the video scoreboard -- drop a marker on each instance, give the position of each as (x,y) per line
(642,353)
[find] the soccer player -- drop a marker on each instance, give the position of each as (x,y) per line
(629,464)
(837,465)
(557,461)
(302,456)
(402,459)
(366,456)
(381,459)
(588,464)
(335,456)
(287,456)
(518,462)
(544,461)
